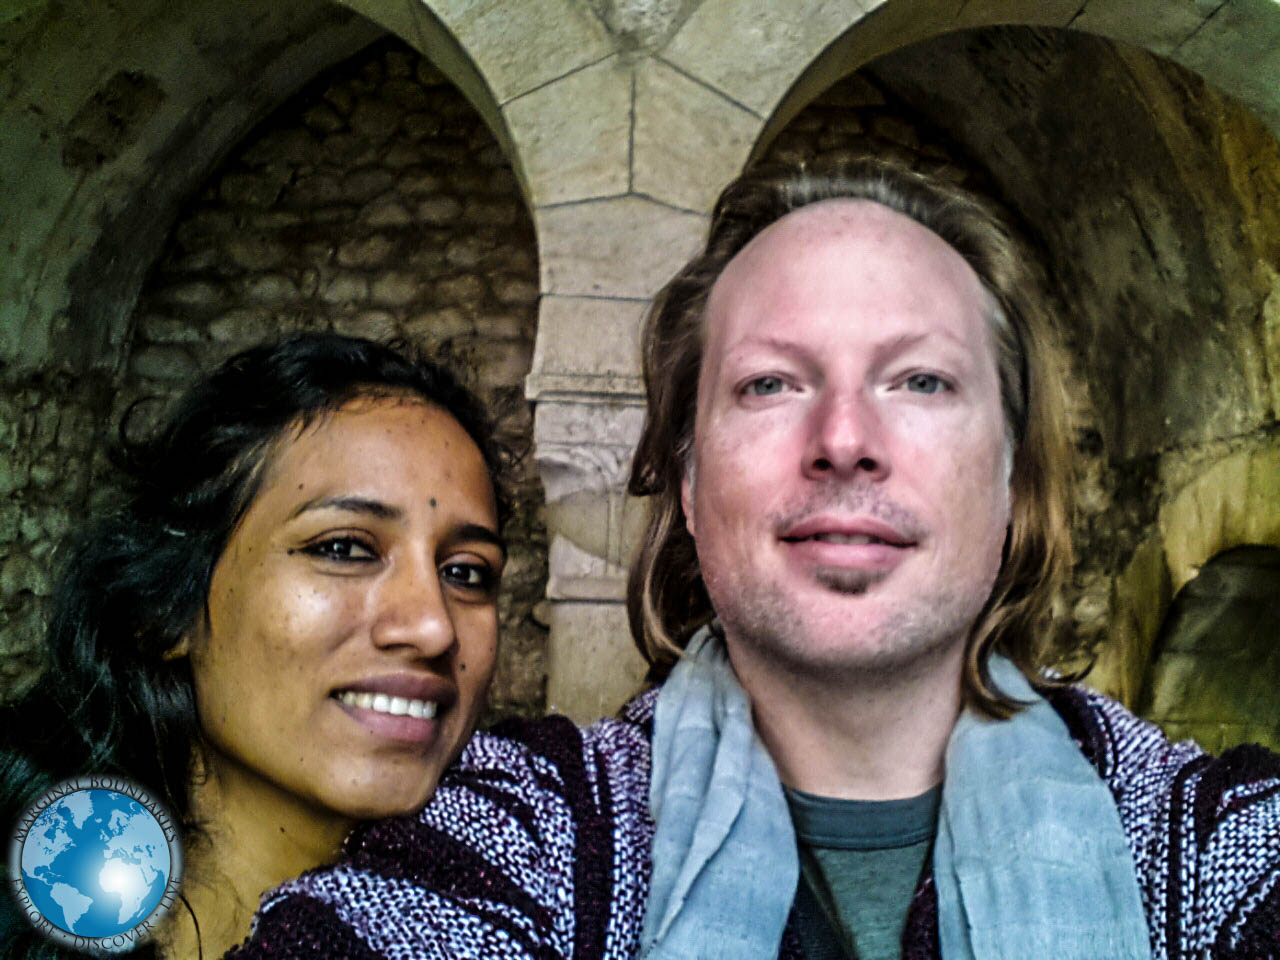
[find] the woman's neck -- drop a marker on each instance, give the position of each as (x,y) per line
(253,836)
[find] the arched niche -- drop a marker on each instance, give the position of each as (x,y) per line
(1230,502)
(1214,670)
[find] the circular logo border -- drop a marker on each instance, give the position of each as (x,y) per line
(139,933)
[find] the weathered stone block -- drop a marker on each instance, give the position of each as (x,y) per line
(710,44)
(504,326)
(375,120)
(342,149)
(419,182)
(514,290)
(587,345)
(501,363)
(626,247)
(418,126)
(438,325)
(406,94)
(439,210)
(677,120)
(345,288)
(279,219)
(429,75)
(167,362)
(466,251)
(158,328)
(323,119)
(395,289)
(371,251)
(281,149)
(367,182)
(593,667)
(340,98)
(254,251)
(386,211)
(315,190)
(574,134)
(374,324)
(490,213)
(519,46)
(239,326)
(466,290)
(12,476)
(21,573)
(399,63)
(271,288)
(250,189)
(1132,22)
(194,293)
(400,155)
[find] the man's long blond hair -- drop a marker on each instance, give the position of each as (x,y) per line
(666,598)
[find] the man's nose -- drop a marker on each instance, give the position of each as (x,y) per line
(412,612)
(846,437)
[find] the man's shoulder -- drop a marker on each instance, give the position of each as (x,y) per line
(532,747)
(1204,830)
(1136,755)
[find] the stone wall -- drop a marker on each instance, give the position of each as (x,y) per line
(375,203)
(50,425)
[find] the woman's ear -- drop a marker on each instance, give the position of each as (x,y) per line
(179,650)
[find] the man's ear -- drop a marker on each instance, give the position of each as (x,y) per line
(686,500)
(179,650)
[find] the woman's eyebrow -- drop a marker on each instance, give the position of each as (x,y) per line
(476,531)
(383,511)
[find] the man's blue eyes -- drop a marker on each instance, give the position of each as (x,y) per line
(916,383)
(765,386)
(924,383)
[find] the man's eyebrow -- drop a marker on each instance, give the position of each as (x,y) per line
(383,511)
(476,531)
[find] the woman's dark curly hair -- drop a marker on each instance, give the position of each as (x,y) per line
(137,581)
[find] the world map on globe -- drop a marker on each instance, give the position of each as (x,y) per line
(96,863)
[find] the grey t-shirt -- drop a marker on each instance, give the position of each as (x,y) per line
(862,860)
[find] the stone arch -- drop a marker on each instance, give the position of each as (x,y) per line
(1233,46)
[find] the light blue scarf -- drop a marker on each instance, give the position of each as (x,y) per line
(1030,859)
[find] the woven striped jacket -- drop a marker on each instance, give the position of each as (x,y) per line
(537,846)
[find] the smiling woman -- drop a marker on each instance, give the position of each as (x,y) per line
(290,626)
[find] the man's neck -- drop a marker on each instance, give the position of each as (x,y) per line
(873,735)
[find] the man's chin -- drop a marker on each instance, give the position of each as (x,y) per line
(850,581)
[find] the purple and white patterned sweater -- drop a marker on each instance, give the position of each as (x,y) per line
(537,846)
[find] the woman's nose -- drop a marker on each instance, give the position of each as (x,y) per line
(412,611)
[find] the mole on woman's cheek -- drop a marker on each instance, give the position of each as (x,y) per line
(432,501)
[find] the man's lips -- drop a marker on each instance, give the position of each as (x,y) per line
(857,532)
(861,543)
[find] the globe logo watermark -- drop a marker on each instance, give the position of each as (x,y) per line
(95,863)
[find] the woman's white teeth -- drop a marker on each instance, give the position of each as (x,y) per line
(396,706)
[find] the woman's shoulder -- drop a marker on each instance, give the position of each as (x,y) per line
(538,835)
